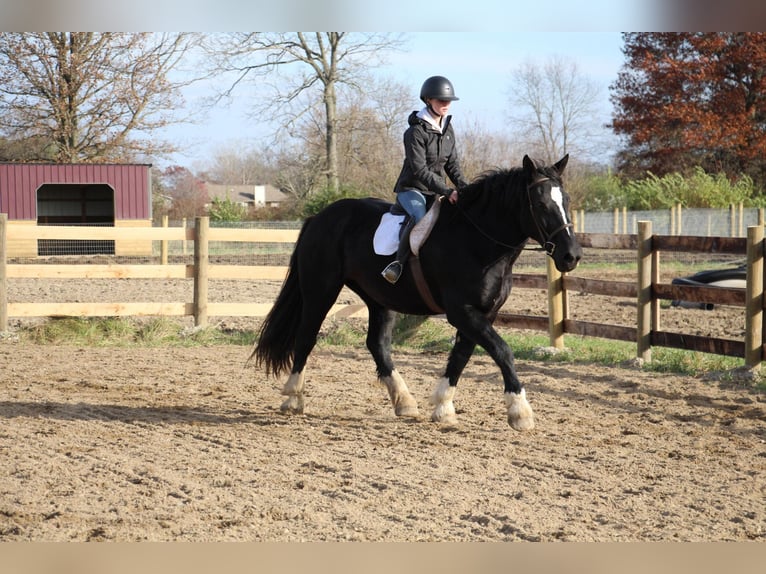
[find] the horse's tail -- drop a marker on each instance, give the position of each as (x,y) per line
(274,348)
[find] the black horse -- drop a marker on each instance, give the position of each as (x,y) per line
(466,262)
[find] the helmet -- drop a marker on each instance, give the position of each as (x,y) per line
(438,87)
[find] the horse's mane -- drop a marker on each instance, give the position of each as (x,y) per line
(508,181)
(495,182)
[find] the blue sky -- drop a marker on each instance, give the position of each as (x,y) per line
(478,63)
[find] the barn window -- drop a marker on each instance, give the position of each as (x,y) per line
(75,204)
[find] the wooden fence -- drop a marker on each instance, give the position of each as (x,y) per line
(647,291)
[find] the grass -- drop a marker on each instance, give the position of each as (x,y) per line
(411,333)
(118,331)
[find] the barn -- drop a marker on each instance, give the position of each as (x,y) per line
(110,195)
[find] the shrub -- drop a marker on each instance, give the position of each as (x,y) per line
(316,202)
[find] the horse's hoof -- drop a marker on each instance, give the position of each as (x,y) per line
(520,415)
(407,411)
(445,416)
(522,424)
(292,406)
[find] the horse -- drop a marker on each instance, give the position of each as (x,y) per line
(466,263)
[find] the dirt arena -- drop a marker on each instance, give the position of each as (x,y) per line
(188,444)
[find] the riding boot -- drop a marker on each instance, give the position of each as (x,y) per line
(393,271)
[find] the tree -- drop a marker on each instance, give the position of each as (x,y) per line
(187,192)
(684,100)
(91,96)
(482,150)
(556,108)
(369,138)
(238,165)
(325,62)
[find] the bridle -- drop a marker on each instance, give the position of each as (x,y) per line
(548,246)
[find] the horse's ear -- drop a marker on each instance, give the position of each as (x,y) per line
(561,164)
(529,165)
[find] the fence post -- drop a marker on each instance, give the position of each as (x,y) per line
(183,243)
(754,297)
(680,222)
(3,273)
(741,220)
(672,230)
(644,299)
(555,305)
(202,224)
(164,244)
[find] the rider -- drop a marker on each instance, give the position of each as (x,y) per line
(430,152)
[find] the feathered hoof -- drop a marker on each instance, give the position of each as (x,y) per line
(444,415)
(520,415)
(407,411)
(292,406)
(521,424)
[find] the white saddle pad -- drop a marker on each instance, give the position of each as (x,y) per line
(386,239)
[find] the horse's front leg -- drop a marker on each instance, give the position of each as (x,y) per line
(444,393)
(479,328)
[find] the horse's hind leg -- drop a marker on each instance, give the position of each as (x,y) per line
(316,305)
(379,334)
(293,389)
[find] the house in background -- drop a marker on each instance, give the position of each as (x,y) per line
(247,196)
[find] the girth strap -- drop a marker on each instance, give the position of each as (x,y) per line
(420,283)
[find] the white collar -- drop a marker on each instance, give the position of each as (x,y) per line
(425,114)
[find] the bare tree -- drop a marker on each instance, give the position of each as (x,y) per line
(91,96)
(233,164)
(323,62)
(556,107)
(482,150)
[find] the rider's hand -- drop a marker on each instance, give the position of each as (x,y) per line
(453,197)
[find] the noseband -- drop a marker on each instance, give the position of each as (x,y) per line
(548,245)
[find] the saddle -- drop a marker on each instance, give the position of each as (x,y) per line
(386,238)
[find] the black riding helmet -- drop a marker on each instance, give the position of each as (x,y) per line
(438,87)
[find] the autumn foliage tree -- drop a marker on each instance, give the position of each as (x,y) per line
(186,194)
(686,100)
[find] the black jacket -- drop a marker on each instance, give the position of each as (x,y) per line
(428,156)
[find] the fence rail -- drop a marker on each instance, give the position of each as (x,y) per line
(647,291)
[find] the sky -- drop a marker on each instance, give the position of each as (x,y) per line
(475,43)
(479,64)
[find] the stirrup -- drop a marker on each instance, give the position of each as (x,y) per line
(392,272)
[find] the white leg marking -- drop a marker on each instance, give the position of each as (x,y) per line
(441,399)
(520,415)
(294,390)
(404,403)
